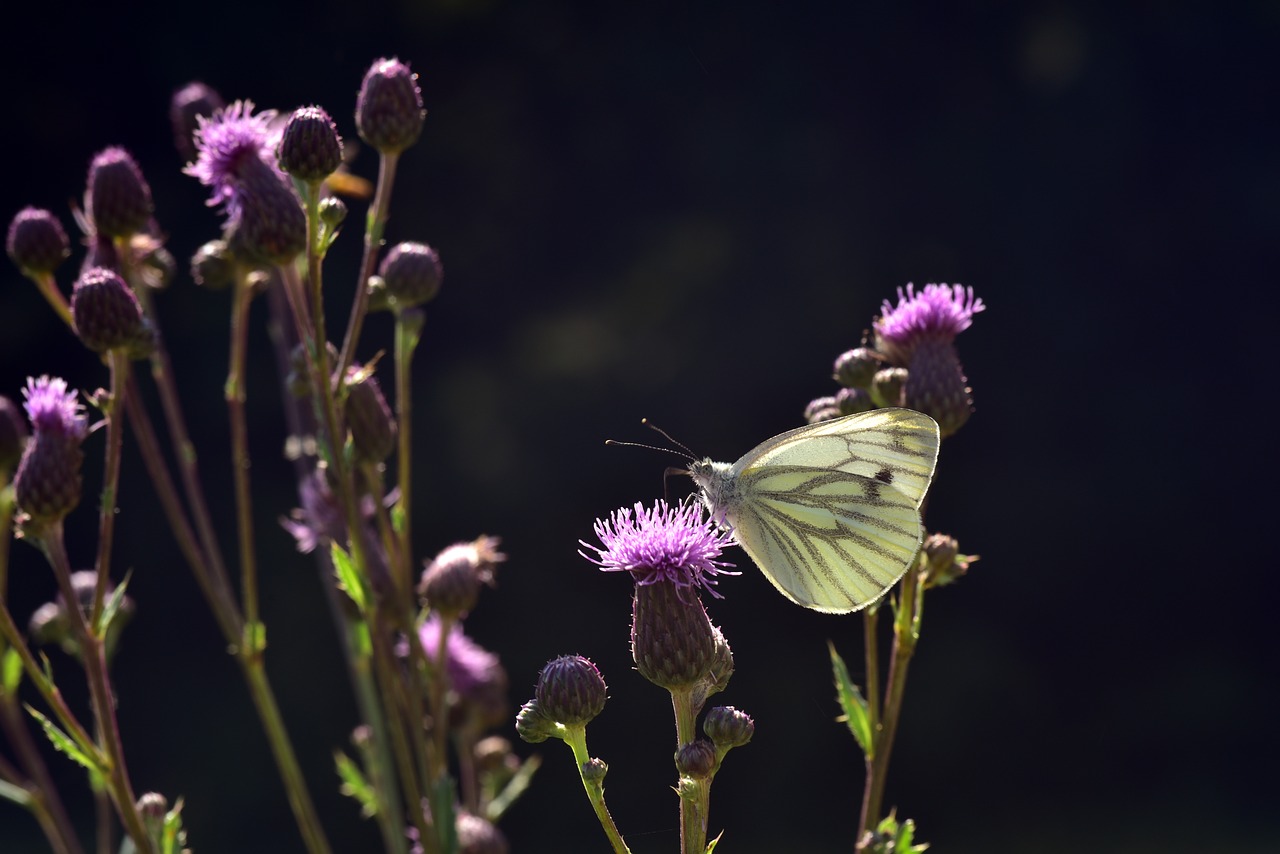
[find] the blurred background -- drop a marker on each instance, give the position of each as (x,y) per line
(686,211)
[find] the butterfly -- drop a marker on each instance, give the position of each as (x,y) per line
(829,512)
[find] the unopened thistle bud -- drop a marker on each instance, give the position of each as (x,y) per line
(188,105)
(856,368)
(411,276)
(107,315)
(727,727)
(943,561)
(451,582)
(886,388)
(851,401)
(212,266)
(36,242)
(333,211)
(373,428)
(389,111)
(47,484)
(117,196)
(594,770)
(310,148)
(478,835)
(697,759)
(571,690)
(821,409)
(13,437)
(717,678)
(532,725)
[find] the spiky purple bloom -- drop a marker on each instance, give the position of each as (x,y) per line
(189,103)
(679,545)
(919,334)
(36,241)
(236,159)
(47,484)
(310,148)
(389,111)
(117,197)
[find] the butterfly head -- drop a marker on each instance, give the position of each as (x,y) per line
(716,483)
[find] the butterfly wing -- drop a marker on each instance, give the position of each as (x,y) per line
(830,512)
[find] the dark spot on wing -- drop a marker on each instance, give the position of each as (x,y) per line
(884,476)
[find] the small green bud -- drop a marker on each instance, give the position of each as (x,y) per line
(532,725)
(333,212)
(697,759)
(886,388)
(943,561)
(593,771)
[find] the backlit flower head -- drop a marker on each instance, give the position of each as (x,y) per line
(47,483)
(662,543)
(228,144)
(919,334)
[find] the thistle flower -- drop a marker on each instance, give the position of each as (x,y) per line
(116,196)
(236,160)
(47,484)
(389,111)
(189,104)
(919,334)
(410,274)
(671,553)
(37,242)
(476,676)
(571,690)
(108,316)
(310,148)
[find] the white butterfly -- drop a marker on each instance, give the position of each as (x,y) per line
(830,512)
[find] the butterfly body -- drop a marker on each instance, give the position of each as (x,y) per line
(829,512)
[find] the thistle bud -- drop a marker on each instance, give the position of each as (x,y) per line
(212,266)
(389,111)
(373,429)
(477,835)
(672,640)
(117,197)
(856,368)
(727,727)
(310,148)
(13,437)
(571,690)
(697,759)
(411,275)
(532,725)
(886,388)
(451,582)
(37,242)
(851,401)
(943,561)
(821,409)
(188,105)
(594,770)
(333,211)
(107,314)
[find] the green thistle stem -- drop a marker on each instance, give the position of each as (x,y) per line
(119,365)
(93,655)
(906,634)
(693,808)
(234,392)
(576,737)
(377,220)
(871,641)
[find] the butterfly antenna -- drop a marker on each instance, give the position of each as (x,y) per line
(681,445)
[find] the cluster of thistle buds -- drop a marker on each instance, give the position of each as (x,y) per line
(912,363)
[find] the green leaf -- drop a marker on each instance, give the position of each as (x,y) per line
(354,785)
(515,787)
(711,846)
(852,704)
(17,794)
(446,822)
(112,607)
(63,742)
(173,836)
(349,580)
(10,671)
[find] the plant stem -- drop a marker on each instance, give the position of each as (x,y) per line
(693,805)
(576,737)
(871,642)
(906,633)
(406,342)
(45,804)
(119,365)
(376,221)
(234,392)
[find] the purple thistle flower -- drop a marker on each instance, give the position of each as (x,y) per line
(476,676)
(236,159)
(663,543)
(919,334)
(47,483)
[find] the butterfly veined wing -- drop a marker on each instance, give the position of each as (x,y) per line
(830,511)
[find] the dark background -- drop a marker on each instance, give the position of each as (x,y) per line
(685,211)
